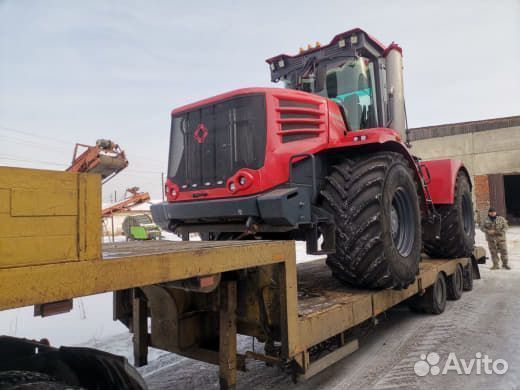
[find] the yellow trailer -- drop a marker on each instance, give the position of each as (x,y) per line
(197,295)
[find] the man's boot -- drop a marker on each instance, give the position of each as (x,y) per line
(505,266)
(495,267)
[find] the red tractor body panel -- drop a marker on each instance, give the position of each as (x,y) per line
(442,177)
(275,170)
(284,111)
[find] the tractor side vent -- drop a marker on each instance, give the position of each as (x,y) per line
(299,119)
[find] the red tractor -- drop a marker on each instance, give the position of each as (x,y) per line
(323,160)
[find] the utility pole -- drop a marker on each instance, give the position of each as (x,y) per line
(113,229)
(162,185)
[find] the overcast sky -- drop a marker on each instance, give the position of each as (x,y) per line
(75,71)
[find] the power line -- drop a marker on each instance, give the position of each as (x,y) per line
(3,157)
(128,172)
(143,172)
(68,143)
(41,146)
(25,132)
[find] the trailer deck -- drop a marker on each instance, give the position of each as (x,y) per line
(196,295)
(314,306)
(132,264)
(319,291)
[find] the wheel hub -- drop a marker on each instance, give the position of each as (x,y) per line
(394,220)
(402,222)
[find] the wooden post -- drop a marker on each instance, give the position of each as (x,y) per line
(140,328)
(228,335)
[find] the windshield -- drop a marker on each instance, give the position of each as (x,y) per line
(349,83)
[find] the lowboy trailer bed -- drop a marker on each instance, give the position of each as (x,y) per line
(314,307)
(199,295)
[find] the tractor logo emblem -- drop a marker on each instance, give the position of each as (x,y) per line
(201,132)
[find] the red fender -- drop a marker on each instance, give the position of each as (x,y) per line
(374,140)
(442,176)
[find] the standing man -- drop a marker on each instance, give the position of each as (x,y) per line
(495,227)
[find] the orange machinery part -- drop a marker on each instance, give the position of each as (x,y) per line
(136,198)
(105,158)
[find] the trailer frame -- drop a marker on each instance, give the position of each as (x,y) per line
(252,288)
(303,325)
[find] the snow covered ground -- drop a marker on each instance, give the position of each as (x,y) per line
(484,320)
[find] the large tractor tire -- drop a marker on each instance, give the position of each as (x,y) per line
(457,237)
(378,222)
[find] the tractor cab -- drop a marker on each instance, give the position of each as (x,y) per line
(350,83)
(354,70)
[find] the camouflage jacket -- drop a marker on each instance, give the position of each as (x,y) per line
(495,230)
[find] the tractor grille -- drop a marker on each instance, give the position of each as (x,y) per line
(300,119)
(211,142)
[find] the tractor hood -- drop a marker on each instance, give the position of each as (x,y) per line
(220,144)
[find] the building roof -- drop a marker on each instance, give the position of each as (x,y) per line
(462,128)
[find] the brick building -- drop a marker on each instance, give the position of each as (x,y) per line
(490,150)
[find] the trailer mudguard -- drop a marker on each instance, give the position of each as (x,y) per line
(442,175)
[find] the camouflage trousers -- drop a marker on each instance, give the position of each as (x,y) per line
(497,246)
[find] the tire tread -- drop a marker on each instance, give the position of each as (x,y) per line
(353,192)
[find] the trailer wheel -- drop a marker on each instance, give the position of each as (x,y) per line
(378,230)
(468,277)
(435,296)
(457,237)
(455,284)
(433,301)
